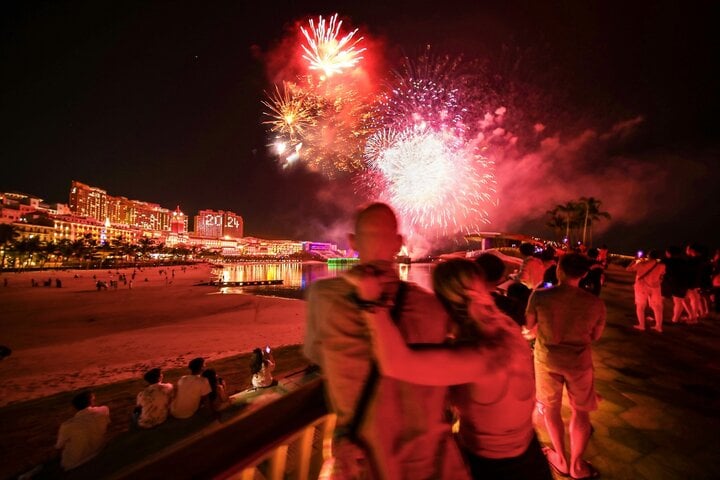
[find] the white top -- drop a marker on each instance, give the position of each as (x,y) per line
(83,436)
(264,377)
(155,403)
(189,392)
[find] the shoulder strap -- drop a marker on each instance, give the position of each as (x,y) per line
(374,374)
(648,272)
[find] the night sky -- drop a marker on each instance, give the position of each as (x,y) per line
(160,101)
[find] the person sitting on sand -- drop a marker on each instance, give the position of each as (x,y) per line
(83,436)
(262,365)
(219,399)
(191,391)
(154,402)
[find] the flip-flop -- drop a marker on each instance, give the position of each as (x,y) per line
(555,469)
(593,473)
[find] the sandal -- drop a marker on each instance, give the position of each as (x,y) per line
(592,473)
(546,451)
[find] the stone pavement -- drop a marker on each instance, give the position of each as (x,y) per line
(659,417)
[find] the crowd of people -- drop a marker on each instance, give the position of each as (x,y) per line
(83,436)
(402,366)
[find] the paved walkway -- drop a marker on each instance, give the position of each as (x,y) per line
(660,414)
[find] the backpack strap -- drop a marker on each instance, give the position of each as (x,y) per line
(374,374)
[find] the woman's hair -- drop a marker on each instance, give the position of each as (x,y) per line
(256,361)
(451,281)
(212,379)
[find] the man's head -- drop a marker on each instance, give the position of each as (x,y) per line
(492,267)
(527,249)
(83,400)
(153,376)
(572,267)
(196,365)
(376,237)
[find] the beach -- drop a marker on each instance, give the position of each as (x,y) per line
(77,336)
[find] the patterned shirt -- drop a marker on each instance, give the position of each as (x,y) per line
(155,403)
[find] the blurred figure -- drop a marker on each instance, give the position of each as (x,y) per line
(603,255)
(594,279)
(675,282)
(567,320)
(262,365)
(153,403)
(191,391)
(218,396)
(490,368)
(400,431)
(532,269)
(649,274)
(83,436)
(494,273)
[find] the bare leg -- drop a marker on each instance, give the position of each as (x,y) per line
(556,430)
(677,309)
(579,436)
(657,308)
(640,313)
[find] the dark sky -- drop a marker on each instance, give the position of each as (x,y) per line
(160,101)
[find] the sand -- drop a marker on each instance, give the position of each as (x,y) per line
(75,336)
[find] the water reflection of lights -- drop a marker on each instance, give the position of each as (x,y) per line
(298,276)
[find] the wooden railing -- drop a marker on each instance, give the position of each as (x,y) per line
(287,438)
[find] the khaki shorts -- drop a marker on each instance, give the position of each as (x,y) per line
(549,384)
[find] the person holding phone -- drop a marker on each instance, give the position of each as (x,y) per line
(262,365)
(649,273)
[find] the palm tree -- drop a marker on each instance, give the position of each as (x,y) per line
(592,213)
(8,234)
(146,245)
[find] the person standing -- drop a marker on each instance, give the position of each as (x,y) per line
(567,320)
(404,432)
(650,272)
(532,269)
(83,436)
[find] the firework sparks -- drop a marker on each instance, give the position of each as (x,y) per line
(435,182)
(326,50)
(291,112)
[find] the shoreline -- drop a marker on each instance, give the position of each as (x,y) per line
(76,336)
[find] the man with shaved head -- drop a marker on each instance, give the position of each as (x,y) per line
(403,433)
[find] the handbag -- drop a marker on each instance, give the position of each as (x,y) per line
(351,458)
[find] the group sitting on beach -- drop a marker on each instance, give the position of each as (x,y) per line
(83,436)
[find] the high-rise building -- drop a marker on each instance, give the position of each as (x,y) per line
(88,201)
(216,224)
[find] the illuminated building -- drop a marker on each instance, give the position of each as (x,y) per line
(216,224)
(88,201)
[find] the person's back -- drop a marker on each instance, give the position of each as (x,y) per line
(566,318)
(404,425)
(190,391)
(155,404)
(83,436)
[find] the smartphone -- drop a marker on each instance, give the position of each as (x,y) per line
(267,348)
(640,254)
(547,284)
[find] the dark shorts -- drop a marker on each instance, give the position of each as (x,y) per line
(530,465)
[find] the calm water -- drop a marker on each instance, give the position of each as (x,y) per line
(297,277)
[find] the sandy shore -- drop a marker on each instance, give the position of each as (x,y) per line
(76,336)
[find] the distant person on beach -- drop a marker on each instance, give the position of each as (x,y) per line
(218,396)
(386,428)
(262,365)
(83,436)
(567,319)
(649,274)
(191,391)
(153,403)
(675,283)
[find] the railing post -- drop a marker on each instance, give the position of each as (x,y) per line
(305,452)
(277,463)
